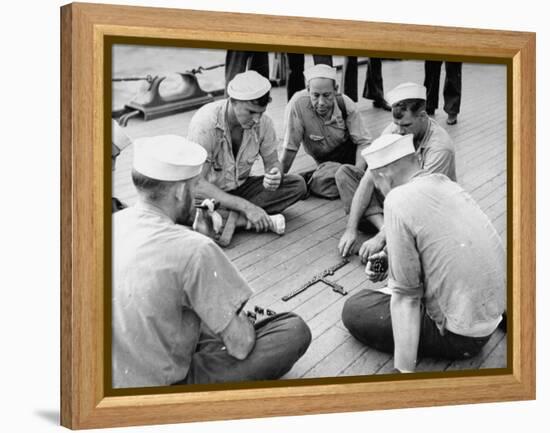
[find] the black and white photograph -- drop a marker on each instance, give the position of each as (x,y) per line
(282,216)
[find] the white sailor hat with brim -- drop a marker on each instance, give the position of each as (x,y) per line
(388,148)
(248,86)
(168,157)
(320,71)
(406,91)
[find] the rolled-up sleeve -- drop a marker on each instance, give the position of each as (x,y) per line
(404,261)
(294,128)
(214,288)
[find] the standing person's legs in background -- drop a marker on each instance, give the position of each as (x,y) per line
(432,72)
(374,85)
(295,77)
(348,83)
(322,60)
(239,61)
(452,90)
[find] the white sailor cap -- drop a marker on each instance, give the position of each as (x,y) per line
(119,138)
(406,91)
(248,86)
(387,149)
(320,71)
(168,157)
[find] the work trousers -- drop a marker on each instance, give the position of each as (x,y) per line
(292,189)
(280,341)
(452,88)
(322,182)
(367,317)
(374,85)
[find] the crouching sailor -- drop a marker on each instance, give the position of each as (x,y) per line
(177,300)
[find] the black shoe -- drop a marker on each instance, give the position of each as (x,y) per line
(381,103)
(503,325)
(452,119)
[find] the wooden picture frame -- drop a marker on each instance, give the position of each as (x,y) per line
(85,214)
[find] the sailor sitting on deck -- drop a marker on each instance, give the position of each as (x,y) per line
(446,265)
(235,132)
(177,305)
(435,152)
(328,125)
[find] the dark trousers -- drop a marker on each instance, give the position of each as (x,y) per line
(452,89)
(348,83)
(240,61)
(292,189)
(295,80)
(280,341)
(367,317)
(374,85)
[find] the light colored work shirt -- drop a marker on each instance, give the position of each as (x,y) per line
(436,151)
(167,281)
(209,128)
(322,137)
(444,249)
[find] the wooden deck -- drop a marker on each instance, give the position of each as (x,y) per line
(276,265)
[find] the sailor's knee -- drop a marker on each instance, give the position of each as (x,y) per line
(343,174)
(302,333)
(298,332)
(295,184)
(360,311)
(351,314)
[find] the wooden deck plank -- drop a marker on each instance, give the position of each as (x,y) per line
(476,362)
(296,217)
(371,362)
(270,293)
(293,249)
(319,299)
(272,243)
(271,286)
(321,347)
(497,358)
(339,359)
